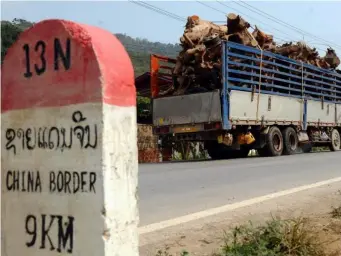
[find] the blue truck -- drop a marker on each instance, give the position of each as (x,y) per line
(267,102)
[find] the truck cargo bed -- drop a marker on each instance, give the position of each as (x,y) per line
(273,109)
(187,109)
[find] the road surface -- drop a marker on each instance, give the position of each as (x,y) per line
(171,190)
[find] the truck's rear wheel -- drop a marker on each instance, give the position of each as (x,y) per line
(335,140)
(290,140)
(274,142)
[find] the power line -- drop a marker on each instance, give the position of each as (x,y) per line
(283,23)
(182,19)
(284,39)
(158,10)
(208,6)
(250,17)
(220,11)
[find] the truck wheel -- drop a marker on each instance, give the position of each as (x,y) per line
(274,145)
(290,140)
(336,141)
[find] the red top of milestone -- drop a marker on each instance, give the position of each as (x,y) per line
(59,63)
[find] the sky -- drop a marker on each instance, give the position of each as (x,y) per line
(320,18)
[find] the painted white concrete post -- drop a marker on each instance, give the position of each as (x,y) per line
(69,151)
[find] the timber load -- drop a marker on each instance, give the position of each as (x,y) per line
(198,65)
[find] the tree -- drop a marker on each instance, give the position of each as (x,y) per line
(143,110)
(10,32)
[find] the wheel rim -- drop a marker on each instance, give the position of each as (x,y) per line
(277,142)
(292,141)
(336,139)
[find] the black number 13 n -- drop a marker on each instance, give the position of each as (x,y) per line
(39,68)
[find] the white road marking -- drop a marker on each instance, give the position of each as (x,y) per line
(229,207)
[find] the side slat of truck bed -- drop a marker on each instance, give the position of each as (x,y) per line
(187,109)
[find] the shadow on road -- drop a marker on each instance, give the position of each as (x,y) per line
(231,158)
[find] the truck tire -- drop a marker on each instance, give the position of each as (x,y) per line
(290,141)
(274,142)
(335,140)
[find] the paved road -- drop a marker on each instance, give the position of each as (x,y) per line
(171,190)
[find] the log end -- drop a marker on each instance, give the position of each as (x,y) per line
(232,16)
(254,43)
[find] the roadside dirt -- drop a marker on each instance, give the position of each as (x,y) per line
(328,232)
(205,236)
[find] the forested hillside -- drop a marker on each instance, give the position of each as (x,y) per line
(138,49)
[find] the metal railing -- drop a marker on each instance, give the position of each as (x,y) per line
(257,71)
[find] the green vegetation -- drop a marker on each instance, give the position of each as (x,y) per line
(10,31)
(277,237)
(143,109)
(139,51)
(166,252)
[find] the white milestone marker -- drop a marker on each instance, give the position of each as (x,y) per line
(69,151)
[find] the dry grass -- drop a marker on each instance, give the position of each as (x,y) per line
(277,237)
(166,252)
(336,212)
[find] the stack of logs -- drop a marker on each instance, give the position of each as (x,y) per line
(198,64)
